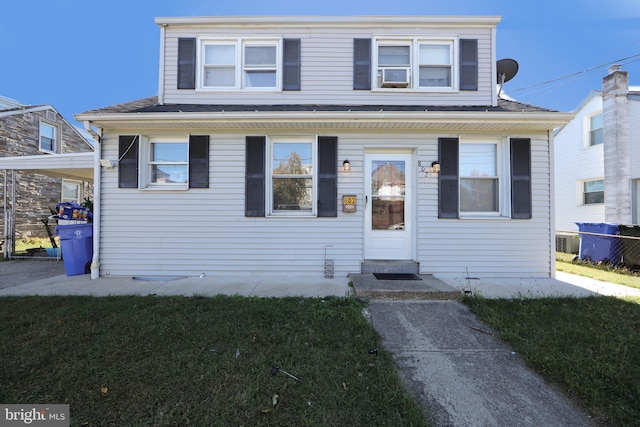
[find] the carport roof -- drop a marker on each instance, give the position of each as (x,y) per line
(78,166)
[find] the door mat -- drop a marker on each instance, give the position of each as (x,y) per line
(396,276)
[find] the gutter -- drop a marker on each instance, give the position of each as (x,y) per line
(97,172)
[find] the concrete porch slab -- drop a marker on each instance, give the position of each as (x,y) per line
(367,287)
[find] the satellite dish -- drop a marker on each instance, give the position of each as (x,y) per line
(507,69)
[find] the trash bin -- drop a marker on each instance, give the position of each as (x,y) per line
(630,247)
(599,248)
(76,242)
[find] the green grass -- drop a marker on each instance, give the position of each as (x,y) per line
(602,272)
(589,346)
(177,361)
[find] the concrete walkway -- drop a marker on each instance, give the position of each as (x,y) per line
(463,375)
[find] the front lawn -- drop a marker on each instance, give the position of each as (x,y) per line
(589,346)
(180,361)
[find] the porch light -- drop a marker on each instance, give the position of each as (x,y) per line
(346,166)
(435,167)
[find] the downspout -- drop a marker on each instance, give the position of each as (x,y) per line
(97,173)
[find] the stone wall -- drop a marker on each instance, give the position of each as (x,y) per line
(35,193)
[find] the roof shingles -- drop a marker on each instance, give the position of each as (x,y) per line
(150,105)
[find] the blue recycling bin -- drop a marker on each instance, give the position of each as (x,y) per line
(76,242)
(600,248)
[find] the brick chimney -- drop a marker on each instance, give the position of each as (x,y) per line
(616,147)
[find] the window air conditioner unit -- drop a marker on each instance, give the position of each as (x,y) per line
(395,77)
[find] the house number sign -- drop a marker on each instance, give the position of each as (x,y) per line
(349,203)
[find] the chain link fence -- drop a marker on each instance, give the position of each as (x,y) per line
(615,245)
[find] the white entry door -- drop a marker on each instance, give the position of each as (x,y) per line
(388,206)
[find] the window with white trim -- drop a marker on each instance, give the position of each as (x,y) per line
(48,137)
(593,192)
(416,63)
(595,129)
(292,176)
(240,64)
(164,163)
(435,65)
(479,180)
(71,191)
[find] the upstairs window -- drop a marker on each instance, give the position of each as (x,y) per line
(595,129)
(394,65)
(219,65)
(48,137)
(260,67)
(417,64)
(238,64)
(435,64)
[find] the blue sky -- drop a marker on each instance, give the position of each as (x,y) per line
(78,55)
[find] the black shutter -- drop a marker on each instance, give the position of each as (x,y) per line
(128,164)
(254,181)
(448,179)
(468,64)
(198,161)
(361,64)
(291,64)
(521,178)
(186,63)
(327,176)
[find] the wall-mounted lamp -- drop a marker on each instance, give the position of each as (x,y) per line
(108,163)
(346,166)
(435,167)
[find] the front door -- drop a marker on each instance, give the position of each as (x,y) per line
(388,206)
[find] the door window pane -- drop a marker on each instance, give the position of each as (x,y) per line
(387,194)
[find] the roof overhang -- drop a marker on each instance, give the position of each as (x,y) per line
(329,21)
(78,166)
(442,121)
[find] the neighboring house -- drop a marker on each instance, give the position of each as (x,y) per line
(276,143)
(597,172)
(30,130)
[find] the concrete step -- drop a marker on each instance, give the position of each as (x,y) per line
(389,266)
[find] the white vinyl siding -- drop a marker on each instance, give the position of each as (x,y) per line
(327,67)
(186,233)
(576,162)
